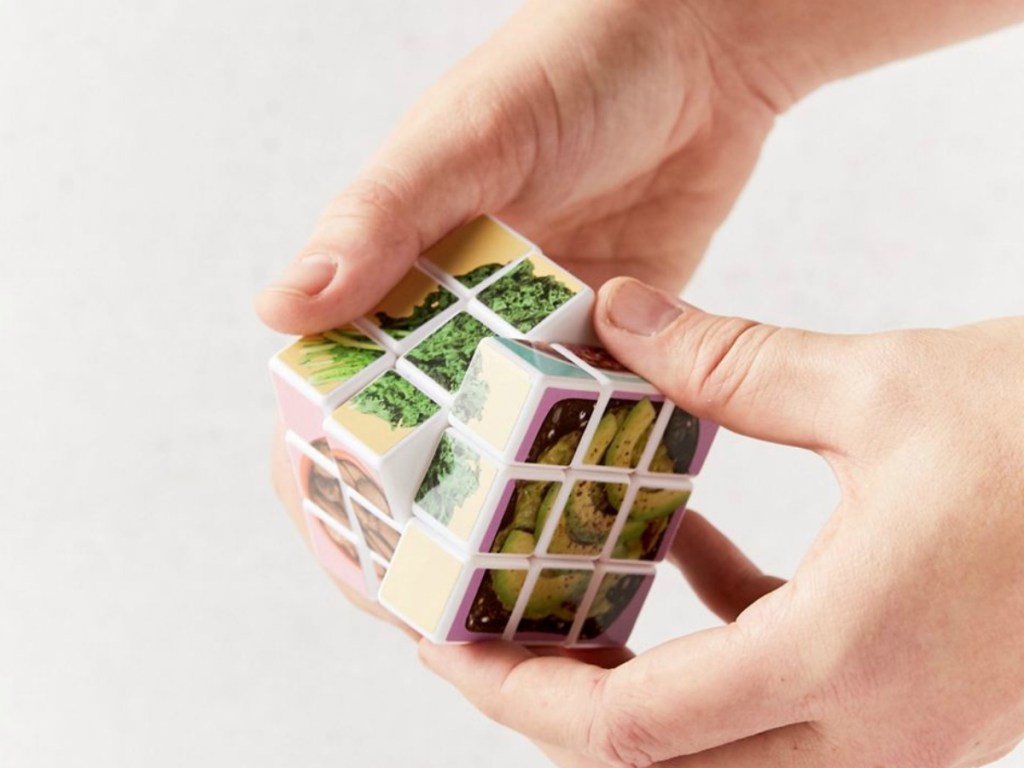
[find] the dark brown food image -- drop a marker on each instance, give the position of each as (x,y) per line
(489,613)
(324,490)
(680,442)
(565,416)
(355,476)
(613,597)
(380,537)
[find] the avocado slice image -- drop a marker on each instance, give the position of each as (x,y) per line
(661,461)
(629,550)
(652,503)
(554,590)
(607,428)
(562,543)
(509,583)
(587,512)
(629,442)
(529,497)
(632,530)
(545,507)
(563,450)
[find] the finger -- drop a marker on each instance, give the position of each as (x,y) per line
(459,154)
(777,384)
(725,580)
(796,746)
(684,697)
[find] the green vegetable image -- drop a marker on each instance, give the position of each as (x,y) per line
(433,304)
(335,356)
(452,477)
(474,277)
(396,401)
(445,355)
(522,299)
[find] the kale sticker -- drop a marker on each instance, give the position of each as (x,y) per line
(524,300)
(396,401)
(445,355)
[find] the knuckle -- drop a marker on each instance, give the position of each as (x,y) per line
(727,351)
(618,736)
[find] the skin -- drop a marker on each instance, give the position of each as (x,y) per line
(618,135)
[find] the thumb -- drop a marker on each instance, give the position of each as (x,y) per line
(778,384)
(433,175)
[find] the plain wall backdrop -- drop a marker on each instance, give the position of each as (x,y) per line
(160,161)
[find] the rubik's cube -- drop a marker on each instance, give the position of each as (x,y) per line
(468,458)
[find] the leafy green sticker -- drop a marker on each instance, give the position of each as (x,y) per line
(524,300)
(433,304)
(396,401)
(444,356)
(336,356)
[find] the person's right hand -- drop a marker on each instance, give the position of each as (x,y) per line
(617,135)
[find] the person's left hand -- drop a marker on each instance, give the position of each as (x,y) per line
(900,640)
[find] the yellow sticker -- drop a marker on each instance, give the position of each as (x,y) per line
(420,579)
(327,360)
(473,252)
(412,303)
(493,395)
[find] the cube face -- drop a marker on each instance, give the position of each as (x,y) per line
(467,458)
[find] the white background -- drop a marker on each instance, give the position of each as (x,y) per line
(159,162)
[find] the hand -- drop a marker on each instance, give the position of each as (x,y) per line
(616,134)
(900,640)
